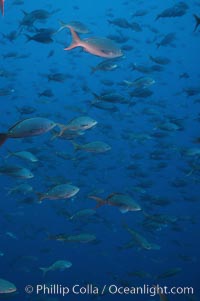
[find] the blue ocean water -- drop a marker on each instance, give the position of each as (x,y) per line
(154,156)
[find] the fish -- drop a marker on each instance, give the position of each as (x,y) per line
(140,274)
(140,82)
(26,110)
(135,26)
(11,235)
(139,240)
(16,171)
(197,19)
(123,201)
(60,265)
(140,13)
(141,92)
(2,7)
(167,40)
(46,93)
(57,77)
(106,65)
(120,22)
(81,238)
(106,106)
(93,147)
(39,15)
(75,25)
(40,37)
(111,97)
(169,273)
(25,155)
(102,47)
(27,128)
(21,188)
(81,123)
(6,91)
(62,191)
(176,10)
(6,287)
(159,60)
(83,213)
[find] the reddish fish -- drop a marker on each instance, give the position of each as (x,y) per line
(102,47)
(2,6)
(124,202)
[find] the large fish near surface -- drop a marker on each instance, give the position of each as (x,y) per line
(102,47)
(27,128)
(2,6)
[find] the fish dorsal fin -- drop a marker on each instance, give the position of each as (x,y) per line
(12,127)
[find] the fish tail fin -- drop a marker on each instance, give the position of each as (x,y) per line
(24,12)
(100,201)
(96,96)
(190,172)
(44,270)
(3,138)
(10,154)
(75,40)
(197,19)
(76,146)
(2,7)
(93,69)
(28,38)
(40,196)
(133,66)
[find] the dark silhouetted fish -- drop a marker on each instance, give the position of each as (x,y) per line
(167,40)
(176,10)
(120,22)
(43,35)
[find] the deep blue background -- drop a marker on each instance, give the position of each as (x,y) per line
(102,174)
